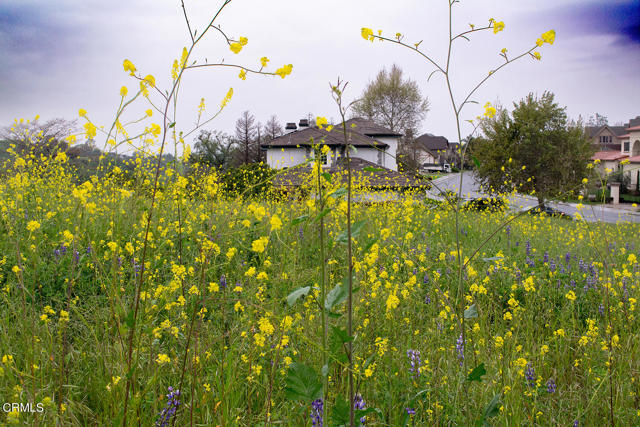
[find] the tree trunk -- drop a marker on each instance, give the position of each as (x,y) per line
(540,202)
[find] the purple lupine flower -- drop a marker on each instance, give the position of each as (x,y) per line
(223,282)
(545,257)
(552,265)
(530,374)
(414,363)
(582,266)
(170,409)
(567,258)
(576,423)
(528,247)
(301,232)
(76,256)
(460,349)
(601,310)
(89,249)
(507,229)
(551,386)
(317,410)
(427,299)
(359,403)
(425,280)
(410,411)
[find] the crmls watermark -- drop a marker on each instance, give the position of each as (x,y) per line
(22,407)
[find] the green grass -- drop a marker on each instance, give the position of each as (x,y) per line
(406,275)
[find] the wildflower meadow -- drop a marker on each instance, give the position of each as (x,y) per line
(152,293)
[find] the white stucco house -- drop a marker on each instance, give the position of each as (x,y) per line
(373,143)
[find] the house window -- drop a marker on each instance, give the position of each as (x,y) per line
(626,147)
(605,139)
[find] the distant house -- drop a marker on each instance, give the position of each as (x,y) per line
(609,138)
(375,150)
(373,143)
(623,153)
(431,149)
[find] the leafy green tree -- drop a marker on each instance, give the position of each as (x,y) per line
(214,149)
(533,149)
(392,101)
(397,104)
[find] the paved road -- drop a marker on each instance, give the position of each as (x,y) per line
(470,189)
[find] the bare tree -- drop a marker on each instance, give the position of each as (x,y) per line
(246,138)
(40,138)
(272,129)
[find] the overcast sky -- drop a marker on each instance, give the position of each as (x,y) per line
(59,56)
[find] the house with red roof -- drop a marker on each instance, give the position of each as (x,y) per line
(627,155)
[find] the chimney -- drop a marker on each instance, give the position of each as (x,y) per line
(290,127)
(304,124)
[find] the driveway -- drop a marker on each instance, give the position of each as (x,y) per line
(471,188)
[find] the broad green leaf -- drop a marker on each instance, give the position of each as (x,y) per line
(322,214)
(326,176)
(336,296)
(338,193)
(477,373)
(302,383)
(492,409)
(373,169)
(471,312)
(297,294)
(172,124)
(337,340)
(356,228)
(340,413)
(299,219)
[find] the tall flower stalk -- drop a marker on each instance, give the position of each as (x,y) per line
(337,91)
(457,107)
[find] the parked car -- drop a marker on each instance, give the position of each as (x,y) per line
(492,204)
(536,210)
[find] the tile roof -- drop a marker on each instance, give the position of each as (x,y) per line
(608,155)
(616,130)
(432,143)
(634,159)
(334,138)
(369,128)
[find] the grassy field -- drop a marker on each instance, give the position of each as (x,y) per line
(550,328)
